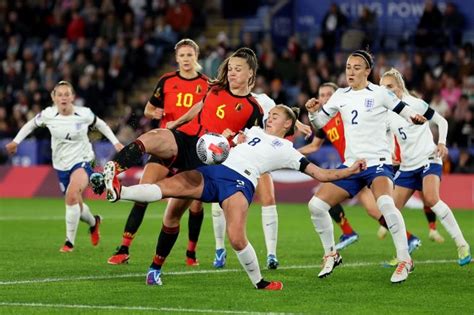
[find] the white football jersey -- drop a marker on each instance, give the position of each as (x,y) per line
(417,147)
(69,141)
(266,102)
(262,153)
(364,113)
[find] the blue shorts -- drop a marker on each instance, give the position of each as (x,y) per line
(221,182)
(414,179)
(65,176)
(354,183)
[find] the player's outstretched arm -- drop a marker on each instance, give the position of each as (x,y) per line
(190,114)
(27,128)
(328,175)
(108,133)
(314,146)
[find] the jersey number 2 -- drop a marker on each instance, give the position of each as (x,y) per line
(355,113)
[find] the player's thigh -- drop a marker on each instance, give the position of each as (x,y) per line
(367,199)
(331,194)
(78,183)
(196,206)
(431,185)
(382,185)
(160,142)
(266,190)
(401,195)
(153,172)
(174,210)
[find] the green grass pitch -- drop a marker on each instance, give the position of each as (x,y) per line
(36,278)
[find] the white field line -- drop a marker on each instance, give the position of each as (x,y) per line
(192,272)
(130,308)
(61,217)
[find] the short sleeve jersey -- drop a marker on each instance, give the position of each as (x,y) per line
(223,110)
(176,95)
(334,132)
(364,114)
(69,140)
(261,153)
(266,102)
(417,147)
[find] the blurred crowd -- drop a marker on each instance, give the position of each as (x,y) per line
(104,47)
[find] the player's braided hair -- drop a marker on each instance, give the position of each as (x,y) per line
(244,53)
(291,113)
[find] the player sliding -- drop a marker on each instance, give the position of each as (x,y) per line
(421,161)
(232,184)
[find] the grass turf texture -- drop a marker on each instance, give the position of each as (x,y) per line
(36,278)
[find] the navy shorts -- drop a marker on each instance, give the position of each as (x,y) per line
(221,182)
(354,183)
(414,179)
(65,176)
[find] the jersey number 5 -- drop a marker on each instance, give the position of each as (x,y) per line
(187,100)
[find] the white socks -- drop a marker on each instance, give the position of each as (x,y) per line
(396,226)
(73,214)
(446,216)
(322,223)
(248,260)
(86,215)
(141,193)
(270,228)
(218,222)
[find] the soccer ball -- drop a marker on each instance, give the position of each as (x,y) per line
(212,148)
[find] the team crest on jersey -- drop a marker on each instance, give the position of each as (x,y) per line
(157,93)
(238,107)
(198,89)
(369,103)
(175,87)
(276,143)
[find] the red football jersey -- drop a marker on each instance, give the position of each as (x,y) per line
(176,95)
(223,110)
(334,130)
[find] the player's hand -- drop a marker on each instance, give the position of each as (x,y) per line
(227,133)
(171,124)
(304,129)
(358,166)
(418,119)
(241,138)
(158,113)
(11,147)
(395,161)
(442,150)
(312,105)
(118,147)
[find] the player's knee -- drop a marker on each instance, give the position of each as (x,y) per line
(267,200)
(317,206)
(238,243)
(386,204)
(72,197)
(216,210)
(430,201)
